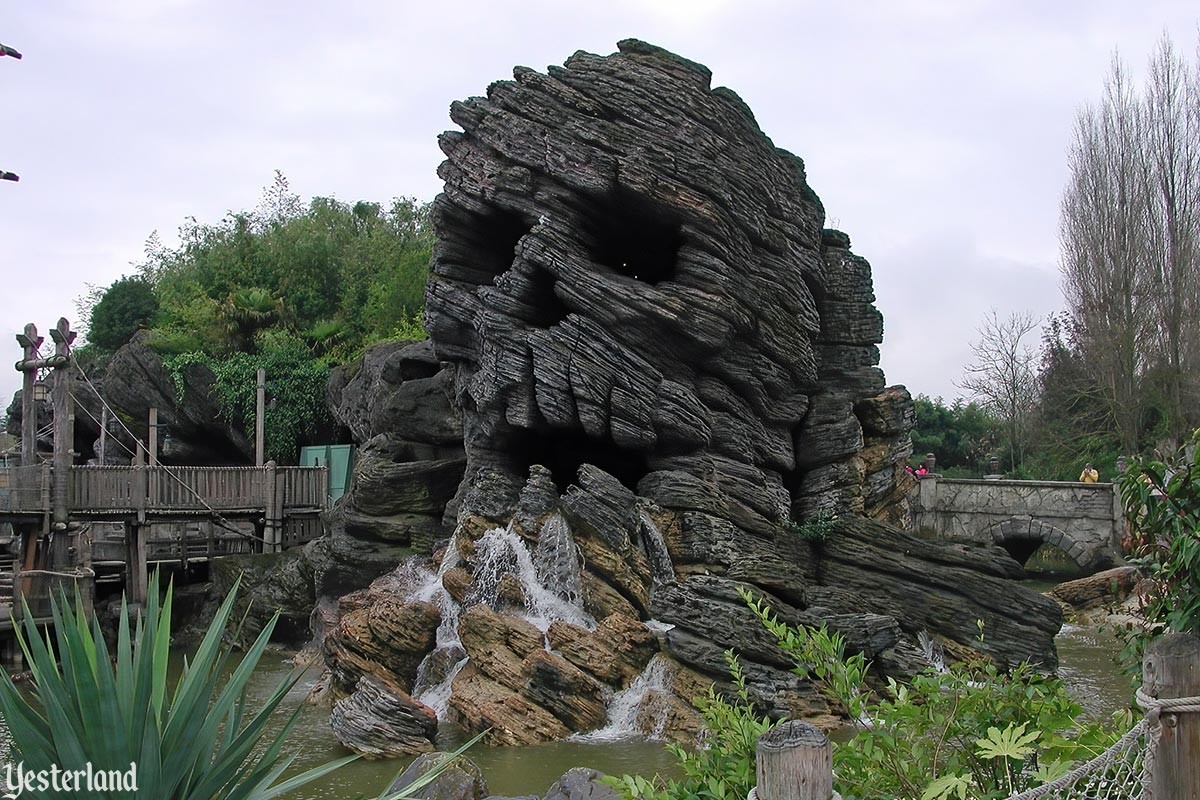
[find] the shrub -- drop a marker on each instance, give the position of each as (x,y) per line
(1162,505)
(127,305)
(295,389)
(968,729)
(817,530)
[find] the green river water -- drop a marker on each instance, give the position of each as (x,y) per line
(1086,664)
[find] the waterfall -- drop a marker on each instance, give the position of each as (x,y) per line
(553,595)
(656,549)
(436,696)
(933,652)
(549,577)
(429,589)
(643,693)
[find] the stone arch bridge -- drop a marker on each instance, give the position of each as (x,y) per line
(1084,520)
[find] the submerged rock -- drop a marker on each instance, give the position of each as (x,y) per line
(581,783)
(380,720)
(460,779)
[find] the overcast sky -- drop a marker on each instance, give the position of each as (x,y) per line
(935,132)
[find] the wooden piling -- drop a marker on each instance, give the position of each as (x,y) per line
(1171,669)
(795,762)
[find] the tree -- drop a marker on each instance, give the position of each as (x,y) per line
(962,435)
(1003,378)
(1072,424)
(1130,242)
(1171,168)
(1103,249)
(127,305)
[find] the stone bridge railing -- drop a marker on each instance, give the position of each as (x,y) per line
(1084,520)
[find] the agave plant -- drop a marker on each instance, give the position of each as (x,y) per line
(195,741)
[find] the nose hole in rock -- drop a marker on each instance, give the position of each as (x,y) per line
(495,237)
(546,308)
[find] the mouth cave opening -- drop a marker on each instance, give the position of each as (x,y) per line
(634,236)
(564,452)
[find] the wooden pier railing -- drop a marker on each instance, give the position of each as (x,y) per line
(166,491)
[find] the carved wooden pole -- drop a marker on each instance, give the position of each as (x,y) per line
(102,448)
(30,342)
(64,423)
(153,436)
(795,762)
(1171,669)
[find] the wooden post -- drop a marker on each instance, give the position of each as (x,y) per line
(260,402)
(795,762)
(136,572)
(64,426)
(153,437)
(1171,669)
(30,342)
(102,448)
(272,508)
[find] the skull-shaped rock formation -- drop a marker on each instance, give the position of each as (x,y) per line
(667,376)
(630,274)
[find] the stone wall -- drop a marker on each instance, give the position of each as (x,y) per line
(1084,520)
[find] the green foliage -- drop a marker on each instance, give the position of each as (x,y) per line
(923,739)
(195,741)
(295,389)
(290,287)
(1074,424)
(962,435)
(284,266)
(126,306)
(817,530)
(409,329)
(1162,504)
(722,767)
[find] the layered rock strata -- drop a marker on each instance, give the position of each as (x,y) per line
(667,375)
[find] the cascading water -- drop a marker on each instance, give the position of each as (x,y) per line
(551,593)
(656,550)
(551,584)
(631,702)
(429,687)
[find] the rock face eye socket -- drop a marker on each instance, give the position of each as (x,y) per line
(634,236)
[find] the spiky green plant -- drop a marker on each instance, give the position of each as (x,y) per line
(197,741)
